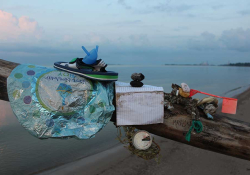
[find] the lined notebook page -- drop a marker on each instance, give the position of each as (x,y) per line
(125,87)
(139,106)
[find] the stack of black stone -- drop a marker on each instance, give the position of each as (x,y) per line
(137,78)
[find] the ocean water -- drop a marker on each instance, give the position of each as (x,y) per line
(21,153)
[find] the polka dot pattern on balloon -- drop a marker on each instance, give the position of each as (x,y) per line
(27,99)
(31,66)
(31,72)
(26,84)
(49,122)
(18,75)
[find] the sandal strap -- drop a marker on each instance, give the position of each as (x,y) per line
(73,60)
(101,63)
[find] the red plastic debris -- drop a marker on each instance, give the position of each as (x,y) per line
(229,105)
(193,92)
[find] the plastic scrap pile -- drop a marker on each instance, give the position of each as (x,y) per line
(183,95)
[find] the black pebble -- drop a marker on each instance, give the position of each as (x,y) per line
(136,84)
(137,76)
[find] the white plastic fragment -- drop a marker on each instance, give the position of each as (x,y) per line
(185,87)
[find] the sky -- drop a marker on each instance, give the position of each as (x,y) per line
(127,31)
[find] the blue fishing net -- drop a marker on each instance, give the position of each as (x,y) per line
(51,103)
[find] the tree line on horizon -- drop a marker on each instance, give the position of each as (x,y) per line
(237,64)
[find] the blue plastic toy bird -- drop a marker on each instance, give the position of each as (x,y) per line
(91,56)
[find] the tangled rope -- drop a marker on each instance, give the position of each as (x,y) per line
(197,126)
(151,153)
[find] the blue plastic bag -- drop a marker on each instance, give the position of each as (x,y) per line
(52,103)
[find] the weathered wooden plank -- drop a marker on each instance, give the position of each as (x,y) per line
(5,69)
(223,135)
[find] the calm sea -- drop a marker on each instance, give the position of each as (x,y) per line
(21,153)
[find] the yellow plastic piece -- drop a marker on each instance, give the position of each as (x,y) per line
(183,94)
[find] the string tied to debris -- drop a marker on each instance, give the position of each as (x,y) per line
(197,126)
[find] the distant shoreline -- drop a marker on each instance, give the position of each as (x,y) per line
(187,65)
(206,65)
(233,66)
(135,65)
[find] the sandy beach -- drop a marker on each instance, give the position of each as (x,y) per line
(176,158)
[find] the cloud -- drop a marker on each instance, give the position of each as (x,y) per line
(94,38)
(181,28)
(139,40)
(162,7)
(166,8)
(13,28)
(124,4)
(208,36)
(206,41)
(109,4)
(24,35)
(234,39)
(125,23)
(191,15)
(244,12)
(183,7)
(216,7)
